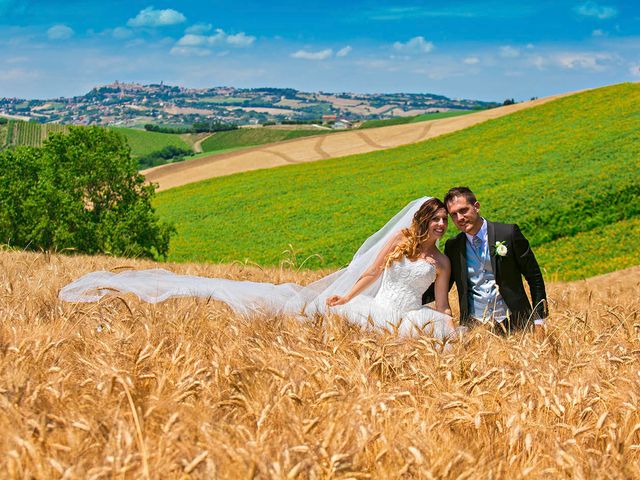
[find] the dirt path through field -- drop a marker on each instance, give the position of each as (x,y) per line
(310,149)
(197,146)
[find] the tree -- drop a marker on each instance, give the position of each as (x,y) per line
(82,191)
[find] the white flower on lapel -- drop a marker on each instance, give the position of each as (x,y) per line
(501,248)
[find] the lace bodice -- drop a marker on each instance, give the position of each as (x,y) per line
(404,282)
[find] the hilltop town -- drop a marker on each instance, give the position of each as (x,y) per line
(132,104)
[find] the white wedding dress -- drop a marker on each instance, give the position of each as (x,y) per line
(393,302)
(397,306)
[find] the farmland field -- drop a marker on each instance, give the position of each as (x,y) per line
(187,389)
(143,142)
(246,137)
(417,118)
(321,147)
(560,170)
(17,133)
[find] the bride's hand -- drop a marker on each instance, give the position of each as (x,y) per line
(335,300)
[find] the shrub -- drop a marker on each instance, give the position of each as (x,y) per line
(170,153)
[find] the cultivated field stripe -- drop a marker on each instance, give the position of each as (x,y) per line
(310,149)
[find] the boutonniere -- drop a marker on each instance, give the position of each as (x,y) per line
(501,248)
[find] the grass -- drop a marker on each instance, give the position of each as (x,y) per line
(558,170)
(187,389)
(413,119)
(143,142)
(246,137)
(608,248)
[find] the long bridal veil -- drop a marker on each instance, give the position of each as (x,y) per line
(157,285)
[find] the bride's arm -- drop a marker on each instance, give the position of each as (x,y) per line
(442,285)
(370,274)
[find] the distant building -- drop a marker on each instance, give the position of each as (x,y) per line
(342,124)
(329,118)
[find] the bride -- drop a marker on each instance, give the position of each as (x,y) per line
(382,286)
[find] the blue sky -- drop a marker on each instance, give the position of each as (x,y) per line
(487,49)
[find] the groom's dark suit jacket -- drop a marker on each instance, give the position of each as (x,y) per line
(509,270)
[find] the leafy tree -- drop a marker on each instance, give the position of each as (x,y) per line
(81,191)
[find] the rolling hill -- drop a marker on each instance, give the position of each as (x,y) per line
(143,142)
(320,147)
(567,171)
(247,137)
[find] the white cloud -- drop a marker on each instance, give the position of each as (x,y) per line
(190,51)
(191,40)
(199,28)
(598,33)
(343,52)
(584,61)
(509,52)
(149,17)
(60,32)
(240,39)
(471,60)
(416,44)
(592,9)
(121,33)
(306,55)
(635,70)
(219,38)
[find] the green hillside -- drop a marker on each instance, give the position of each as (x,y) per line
(16,133)
(568,172)
(413,119)
(248,137)
(143,142)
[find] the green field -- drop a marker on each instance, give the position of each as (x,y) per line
(568,172)
(143,142)
(249,137)
(20,133)
(416,118)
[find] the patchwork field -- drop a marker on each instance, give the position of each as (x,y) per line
(187,389)
(567,172)
(321,147)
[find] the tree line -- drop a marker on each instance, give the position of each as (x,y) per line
(196,127)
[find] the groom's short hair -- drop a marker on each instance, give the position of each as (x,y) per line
(460,192)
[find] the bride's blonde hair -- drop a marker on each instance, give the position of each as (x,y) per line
(417,233)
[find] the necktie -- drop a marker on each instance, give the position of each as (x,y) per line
(477,245)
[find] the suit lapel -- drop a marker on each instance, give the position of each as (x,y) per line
(491,238)
(462,247)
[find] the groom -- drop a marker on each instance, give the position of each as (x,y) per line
(488,261)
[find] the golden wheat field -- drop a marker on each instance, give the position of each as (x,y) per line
(186,389)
